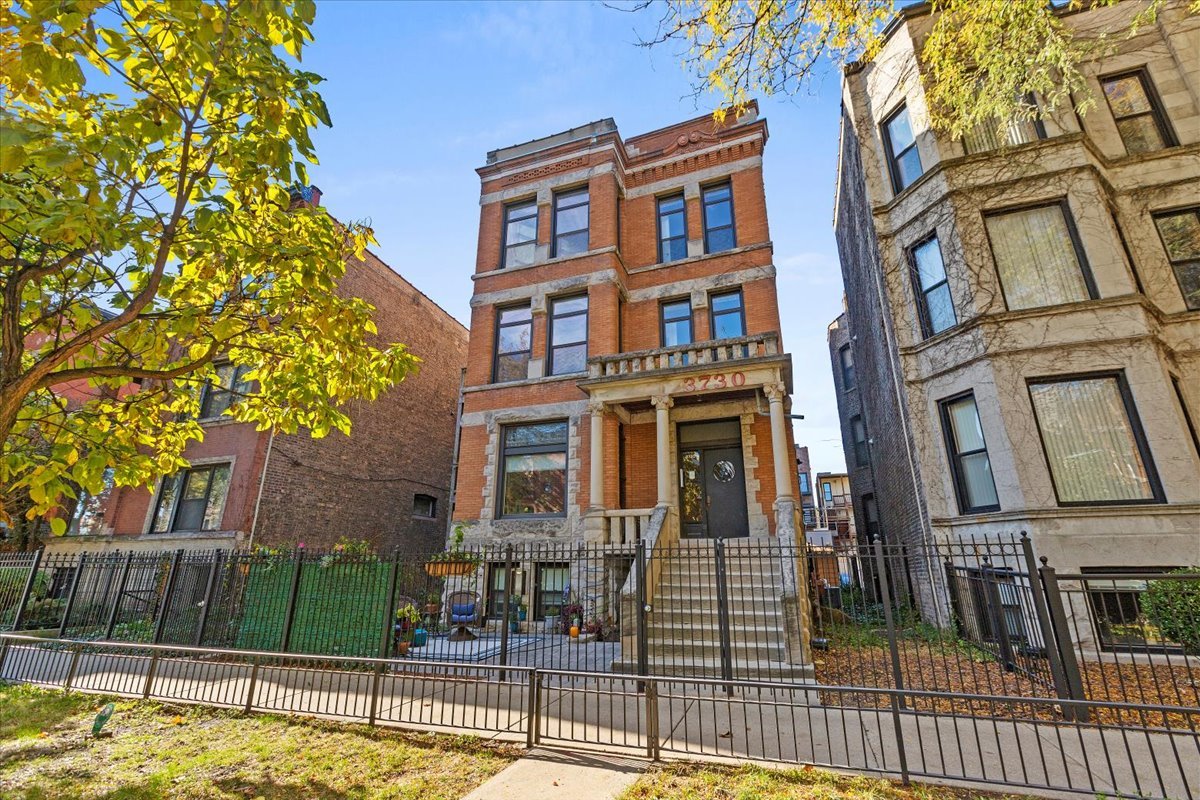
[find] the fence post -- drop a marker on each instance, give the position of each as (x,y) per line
(202,625)
(1062,635)
(723,616)
(164,607)
(62,627)
(533,712)
(285,638)
(28,590)
(150,675)
(71,669)
(505,594)
(385,640)
(640,567)
(898,701)
(252,685)
(116,608)
(1049,640)
(991,591)
(651,695)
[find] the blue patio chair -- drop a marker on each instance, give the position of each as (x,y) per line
(463,609)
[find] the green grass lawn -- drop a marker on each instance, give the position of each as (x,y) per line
(715,782)
(158,751)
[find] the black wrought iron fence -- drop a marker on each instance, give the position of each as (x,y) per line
(1079,751)
(983,617)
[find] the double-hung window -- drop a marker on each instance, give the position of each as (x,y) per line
(672,229)
(994,134)
(514,337)
(552,579)
(1038,256)
(904,160)
(227,386)
(570,223)
(192,500)
(676,322)
(568,334)
(827,491)
(534,477)
(520,234)
(846,361)
(719,233)
(858,428)
(728,315)
(969,463)
(1139,114)
(1180,232)
(805,488)
(1095,447)
(935,307)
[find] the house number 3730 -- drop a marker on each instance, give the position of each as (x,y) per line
(700,383)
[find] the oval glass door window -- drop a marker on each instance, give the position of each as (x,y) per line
(724,471)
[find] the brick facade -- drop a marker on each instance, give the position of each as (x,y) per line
(625,283)
(314,491)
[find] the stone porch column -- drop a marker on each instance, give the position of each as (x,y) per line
(662,407)
(596,460)
(775,393)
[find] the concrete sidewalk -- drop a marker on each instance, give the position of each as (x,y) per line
(561,775)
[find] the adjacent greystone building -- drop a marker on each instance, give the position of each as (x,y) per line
(1020,349)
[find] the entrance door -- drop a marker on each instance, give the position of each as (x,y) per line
(712,482)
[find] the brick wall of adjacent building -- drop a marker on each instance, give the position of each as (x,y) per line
(891,473)
(362,486)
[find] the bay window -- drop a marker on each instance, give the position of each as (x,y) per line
(1038,256)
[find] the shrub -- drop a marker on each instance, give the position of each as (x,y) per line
(1173,605)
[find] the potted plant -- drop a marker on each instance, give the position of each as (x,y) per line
(433,603)
(407,620)
(453,561)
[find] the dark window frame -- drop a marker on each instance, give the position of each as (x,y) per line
(506,451)
(955,456)
(551,317)
(892,157)
(849,375)
(1100,593)
(539,591)
(658,221)
(1135,427)
(1064,207)
(805,484)
(1158,112)
(713,313)
(208,394)
(504,244)
(922,294)
(491,607)
(862,452)
(417,498)
(827,491)
(1175,265)
(496,340)
(1187,414)
(662,320)
(704,204)
(180,478)
(1039,129)
(555,233)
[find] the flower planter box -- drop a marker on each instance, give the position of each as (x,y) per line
(449,569)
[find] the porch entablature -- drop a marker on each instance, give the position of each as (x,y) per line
(720,366)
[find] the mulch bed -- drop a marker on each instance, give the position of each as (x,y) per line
(961,669)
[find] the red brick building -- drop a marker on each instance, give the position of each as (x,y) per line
(625,352)
(388,482)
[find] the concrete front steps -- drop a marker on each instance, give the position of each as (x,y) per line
(682,631)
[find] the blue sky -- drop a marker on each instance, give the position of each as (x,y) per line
(420,92)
